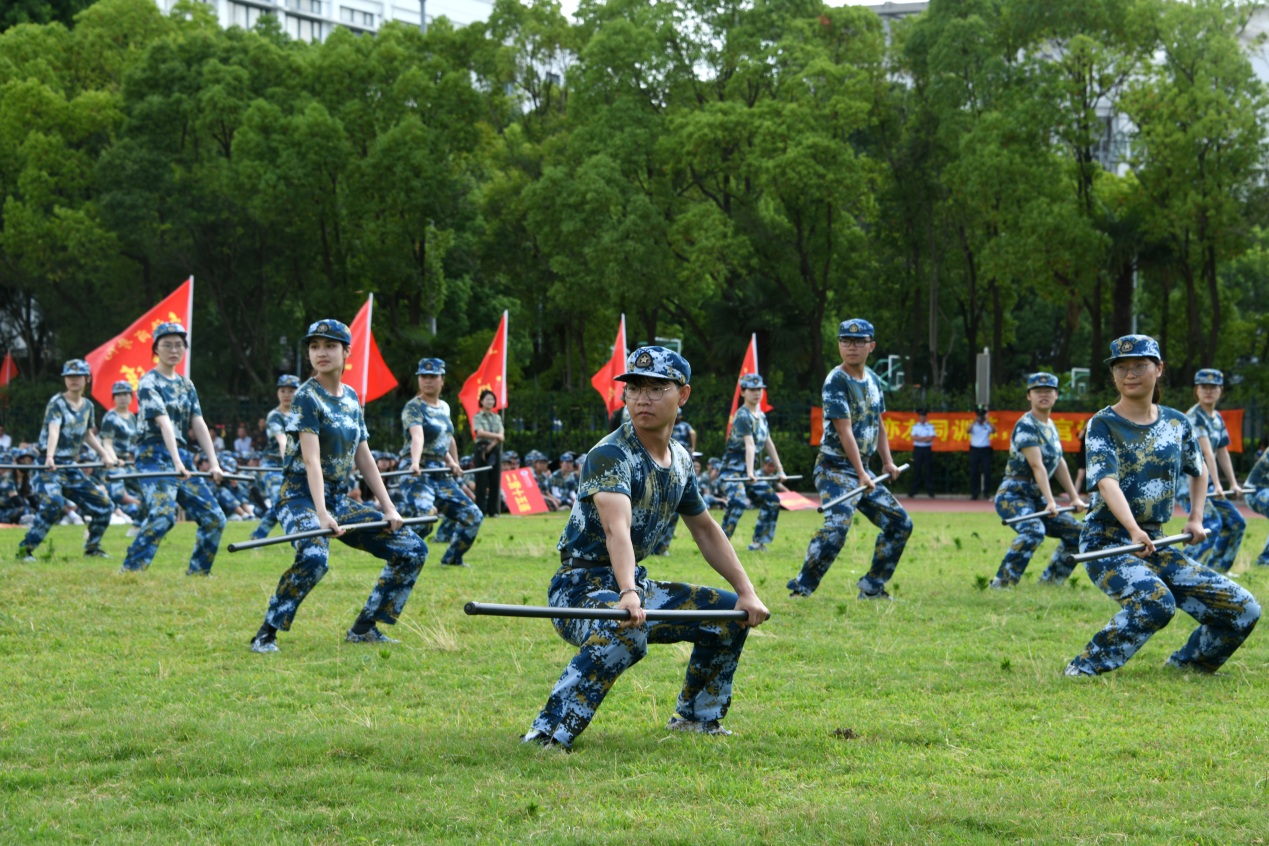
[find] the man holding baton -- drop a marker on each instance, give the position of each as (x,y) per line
(853,432)
(633,481)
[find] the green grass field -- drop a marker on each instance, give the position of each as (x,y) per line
(133,712)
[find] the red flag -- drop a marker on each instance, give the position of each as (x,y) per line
(605,380)
(365,371)
(8,370)
(750,365)
(128,355)
(490,376)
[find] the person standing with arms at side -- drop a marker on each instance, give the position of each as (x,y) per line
(632,481)
(169,409)
(748,439)
(275,428)
(853,433)
(489,434)
(326,438)
(1137,453)
(1223,523)
(923,435)
(429,433)
(1035,458)
(68,423)
(980,432)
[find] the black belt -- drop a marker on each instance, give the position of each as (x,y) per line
(567,560)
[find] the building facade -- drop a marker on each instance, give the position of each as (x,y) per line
(314,20)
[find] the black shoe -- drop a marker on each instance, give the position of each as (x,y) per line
(96,552)
(545,740)
(371,636)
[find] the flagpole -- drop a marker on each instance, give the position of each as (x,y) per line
(189,325)
(506,332)
(365,361)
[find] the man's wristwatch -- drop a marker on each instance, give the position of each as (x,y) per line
(635,591)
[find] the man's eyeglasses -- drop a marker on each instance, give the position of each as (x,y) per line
(653,392)
(854,342)
(171,346)
(1122,370)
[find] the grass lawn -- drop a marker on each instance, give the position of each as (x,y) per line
(133,712)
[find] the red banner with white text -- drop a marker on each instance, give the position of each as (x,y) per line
(951,428)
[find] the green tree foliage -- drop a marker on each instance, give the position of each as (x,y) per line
(709,169)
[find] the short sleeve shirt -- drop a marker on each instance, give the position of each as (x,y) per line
(74,425)
(620,464)
(485,421)
(1029,432)
(1146,460)
(1208,426)
(1259,476)
(119,429)
(859,400)
(340,428)
(158,395)
(749,423)
(434,420)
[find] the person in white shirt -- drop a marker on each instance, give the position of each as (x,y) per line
(922,454)
(980,432)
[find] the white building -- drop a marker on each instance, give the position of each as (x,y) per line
(314,20)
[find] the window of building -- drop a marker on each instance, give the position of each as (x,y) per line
(313,7)
(356,17)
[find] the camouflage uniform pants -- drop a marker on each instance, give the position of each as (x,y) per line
(1259,502)
(161,497)
(403,552)
(440,492)
(834,477)
(1150,591)
(53,489)
(1017,497)
(741,496)
(271,484)
(1225,529)
(606,651)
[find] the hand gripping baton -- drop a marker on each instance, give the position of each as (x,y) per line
(1066,509)
(655,615)
(763,478)
(853,491)
(1184,537)
(317,533)
(164,474)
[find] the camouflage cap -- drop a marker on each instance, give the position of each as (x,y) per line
(1209,376)
(286,380)
(123,386)
(169,328)
(430,367)
(567,456)
(535,455)
(76,367)
(1134,346)
(855,327)
(330,329)
(1042,380)
(750,381)
(657,363)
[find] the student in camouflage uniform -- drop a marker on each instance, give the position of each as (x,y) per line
(1035,457)
(1258,497)
(119,430)
(563,482)
(272,458)
(68,423)
(748,439)
(853,433)
(1137,451)
(1223,523)
(326,438)
(633,480)
(169,410)
(429,443)
(541,464)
